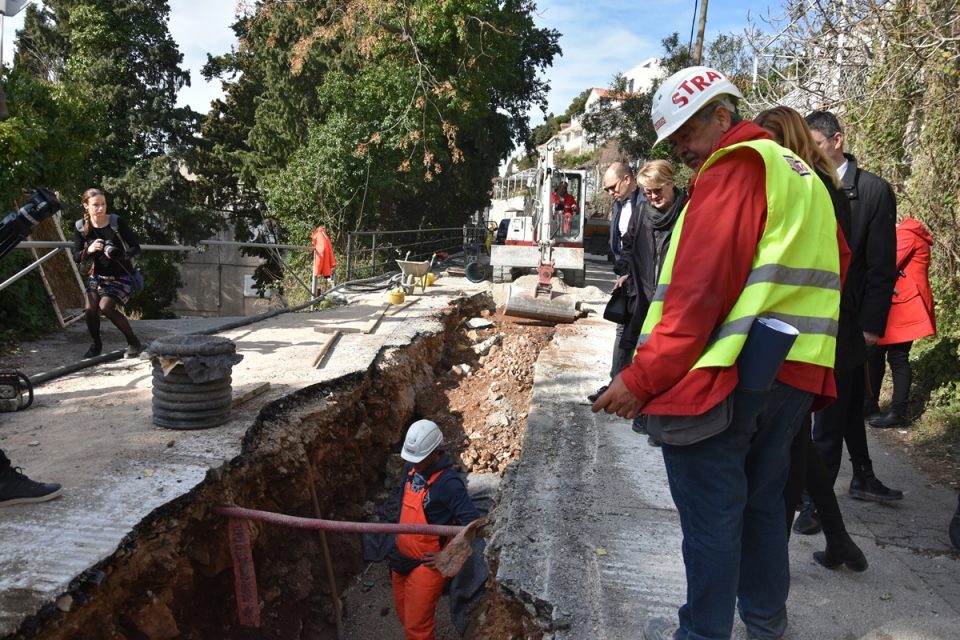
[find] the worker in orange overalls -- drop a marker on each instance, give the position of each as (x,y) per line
(433,493)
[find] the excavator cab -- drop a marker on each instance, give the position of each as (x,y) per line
(552,241)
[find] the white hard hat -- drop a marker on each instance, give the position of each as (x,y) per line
(683,94)
(423,437)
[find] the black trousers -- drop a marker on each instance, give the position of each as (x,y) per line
(621,357)
(4,461)
(842,422)
(808,471)
(898,355)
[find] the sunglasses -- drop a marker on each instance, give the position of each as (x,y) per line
(613,187)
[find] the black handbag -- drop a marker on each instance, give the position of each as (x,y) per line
(616,309)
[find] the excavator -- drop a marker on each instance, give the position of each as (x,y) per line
(548,237)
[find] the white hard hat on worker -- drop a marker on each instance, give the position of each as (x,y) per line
(684,94)
(423,437)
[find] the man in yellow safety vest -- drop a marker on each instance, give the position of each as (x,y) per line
(757,239)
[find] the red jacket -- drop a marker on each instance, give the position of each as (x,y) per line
(911,314)
(725,219)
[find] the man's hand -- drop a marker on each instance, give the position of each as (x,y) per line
(619,400)
(870,338)
(430,559)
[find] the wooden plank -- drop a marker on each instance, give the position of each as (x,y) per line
(250,394)
(331,338)
(375,322)
(328,328)
(397,308)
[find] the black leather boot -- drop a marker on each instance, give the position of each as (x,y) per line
(888,420)
(841,550)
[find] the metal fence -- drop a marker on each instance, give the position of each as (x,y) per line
(371,253)
(368,253)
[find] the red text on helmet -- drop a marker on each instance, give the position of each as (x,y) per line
(696,84)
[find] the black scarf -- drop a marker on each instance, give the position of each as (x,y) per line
(665,219)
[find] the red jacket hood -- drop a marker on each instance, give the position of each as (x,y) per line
(914,226)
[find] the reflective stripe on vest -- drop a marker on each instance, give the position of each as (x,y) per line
(411,512)
(795,275)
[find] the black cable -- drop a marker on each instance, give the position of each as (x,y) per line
(693,23)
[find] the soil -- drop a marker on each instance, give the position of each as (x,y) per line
(480,403)
(480,396)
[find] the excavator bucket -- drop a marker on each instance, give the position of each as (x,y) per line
(548,306)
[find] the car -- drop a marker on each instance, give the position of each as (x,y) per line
(501,235)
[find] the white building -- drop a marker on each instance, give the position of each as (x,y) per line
(639,79)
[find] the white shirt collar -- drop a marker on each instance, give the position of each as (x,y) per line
(842,169)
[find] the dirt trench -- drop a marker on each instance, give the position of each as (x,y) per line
(172,577)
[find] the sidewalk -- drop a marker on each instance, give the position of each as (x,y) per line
(592,539)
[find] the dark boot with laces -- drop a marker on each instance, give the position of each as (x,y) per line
(865,486)
(17,488)
(808,521)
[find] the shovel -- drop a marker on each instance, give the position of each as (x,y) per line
(448,561)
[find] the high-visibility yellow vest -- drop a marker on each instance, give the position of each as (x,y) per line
(795,276)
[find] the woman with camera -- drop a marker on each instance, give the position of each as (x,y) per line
(109,243)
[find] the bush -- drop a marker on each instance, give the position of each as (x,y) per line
(25,309)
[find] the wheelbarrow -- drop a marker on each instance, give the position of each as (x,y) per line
(413,272)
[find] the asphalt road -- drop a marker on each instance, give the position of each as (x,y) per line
(592,539)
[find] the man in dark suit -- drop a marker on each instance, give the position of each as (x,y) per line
(620,183)
(870,279)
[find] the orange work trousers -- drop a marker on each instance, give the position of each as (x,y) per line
(415,595)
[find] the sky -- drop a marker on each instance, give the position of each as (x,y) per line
(600,38)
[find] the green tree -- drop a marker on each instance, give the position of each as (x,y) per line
(117,56)
(374,114)
(46,139)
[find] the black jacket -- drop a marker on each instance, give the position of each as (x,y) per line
(616,245)
(851,349)
(873,243)
(646,249)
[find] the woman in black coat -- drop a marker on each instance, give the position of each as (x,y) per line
(806,466)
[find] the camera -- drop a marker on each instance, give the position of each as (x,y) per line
(112,250)
(16,226)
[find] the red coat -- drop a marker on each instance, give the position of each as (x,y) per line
(911,314)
